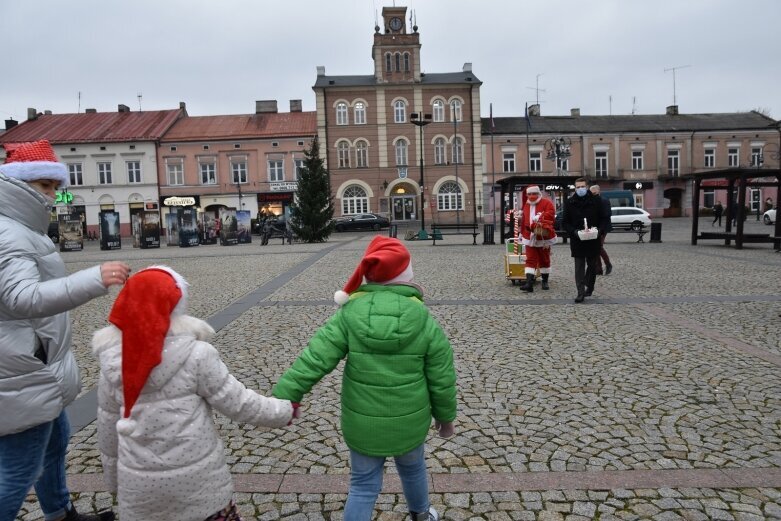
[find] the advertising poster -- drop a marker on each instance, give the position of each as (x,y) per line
(135,227)
(244,226)
(207,224)
(150,230)
(71,233)
(171,229)
(228,227)
(109,231)
(188,227)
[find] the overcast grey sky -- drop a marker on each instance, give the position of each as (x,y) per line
(221,56)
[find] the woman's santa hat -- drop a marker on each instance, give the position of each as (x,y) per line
(143,312)
(33,161)
(386,261)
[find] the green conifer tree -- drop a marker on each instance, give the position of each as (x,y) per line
(311,213)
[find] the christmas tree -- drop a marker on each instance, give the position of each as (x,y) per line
(311,213)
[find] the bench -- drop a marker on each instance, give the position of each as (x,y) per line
(439,230)
(640,231)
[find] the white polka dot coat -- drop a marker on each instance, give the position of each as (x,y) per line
(171,464)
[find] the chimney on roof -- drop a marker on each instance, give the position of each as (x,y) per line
(266,106)
(295,105)
(32,114)
(321,70)
(47,112)
(183,106)
(123,108)
(10,123)
(534,110)
(90,111)
(467,67)
(672,110)
(575,113)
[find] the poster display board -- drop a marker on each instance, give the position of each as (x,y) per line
(109,230)
(244,226)
(135,227)
(207,225)
(188,227)
(171,229)
(71,233)
(150,230)
(228,227)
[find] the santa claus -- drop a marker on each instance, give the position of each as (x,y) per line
(537,234)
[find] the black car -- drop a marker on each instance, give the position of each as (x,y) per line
(361,221)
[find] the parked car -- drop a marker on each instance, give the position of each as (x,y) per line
(769,217)
(54,231)
(629,217)
(361,221)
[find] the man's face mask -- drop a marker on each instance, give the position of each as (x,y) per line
(581,191)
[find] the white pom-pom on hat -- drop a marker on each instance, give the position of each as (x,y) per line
(126,426)
(341,297)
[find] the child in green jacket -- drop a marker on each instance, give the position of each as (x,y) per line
(399,373)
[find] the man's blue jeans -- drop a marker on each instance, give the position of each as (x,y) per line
(35,457)
(366,483)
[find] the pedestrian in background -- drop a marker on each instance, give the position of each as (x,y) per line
(399,373)
(607,214)
(39,376)
(718,211)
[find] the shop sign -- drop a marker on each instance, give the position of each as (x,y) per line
(555,188)
(179,201)
(63,197)
(286,186)
(638,185)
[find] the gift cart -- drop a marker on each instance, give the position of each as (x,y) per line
(514,262)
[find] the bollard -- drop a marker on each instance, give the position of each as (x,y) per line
(656,232)
(488,234)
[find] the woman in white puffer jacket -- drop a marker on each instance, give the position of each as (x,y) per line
(159,379)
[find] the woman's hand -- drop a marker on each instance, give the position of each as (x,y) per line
(114,273)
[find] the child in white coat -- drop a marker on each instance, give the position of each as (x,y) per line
(159,379)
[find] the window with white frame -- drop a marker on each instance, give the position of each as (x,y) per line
(756,156)
(299,167)
(354,200)
(708,197)
(401,153)
(508,162)
(458,150)
(361,154)
(239,170)
(276,170)
(208,172)
(733,157)
(359,113)
(455,110)
(600,163)
(673,163)
(341,113)
(388,62)
(710,158)
(399,112)
(406,62)
(535,161)
(637,159)
(449,197)
(343,154)
(439,151)
(104,173)
(76,174)
(175,171)
(133,171)
(439,111)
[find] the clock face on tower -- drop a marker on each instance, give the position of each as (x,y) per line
(395,23)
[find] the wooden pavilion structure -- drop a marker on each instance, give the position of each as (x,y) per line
(547,183)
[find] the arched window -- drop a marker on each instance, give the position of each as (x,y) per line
(398,61)
(439,110)
(401,153)
(455,110)
(359,115)
(388,62)
(458,150)
(406,62)
(439,151)
(449,197)
(361,154)
(354,200)
(400,112)
(341,113)
(343,153)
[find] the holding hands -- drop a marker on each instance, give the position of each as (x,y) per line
(114,273)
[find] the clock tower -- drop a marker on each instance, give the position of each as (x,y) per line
(396,51)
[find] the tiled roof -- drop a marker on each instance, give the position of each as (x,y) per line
(425,79)
(621,124)
(94,127)
(263,125)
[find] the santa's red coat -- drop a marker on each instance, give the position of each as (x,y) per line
(545,212)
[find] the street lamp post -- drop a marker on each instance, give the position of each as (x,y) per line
(558,150)
(420,120)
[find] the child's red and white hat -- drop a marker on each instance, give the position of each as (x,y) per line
(33,161)
(385,261)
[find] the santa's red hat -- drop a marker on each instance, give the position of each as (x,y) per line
(386,260)
(143,312)
(533,189)
(33,161)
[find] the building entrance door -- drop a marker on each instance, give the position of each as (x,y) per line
(404,207)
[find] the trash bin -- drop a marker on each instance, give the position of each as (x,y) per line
(488,234)
(656,232)
(393,230)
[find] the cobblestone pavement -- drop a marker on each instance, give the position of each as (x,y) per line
(660,398)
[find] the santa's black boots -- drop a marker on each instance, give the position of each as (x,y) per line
(528,284)
(545,281)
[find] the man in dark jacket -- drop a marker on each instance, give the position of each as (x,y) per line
(607,214)
(584,205)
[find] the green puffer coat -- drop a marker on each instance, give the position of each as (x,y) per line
(399,369)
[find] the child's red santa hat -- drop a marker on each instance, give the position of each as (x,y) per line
(143,312)
(386,260)
(33,161)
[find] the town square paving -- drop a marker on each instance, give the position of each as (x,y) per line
(659,398)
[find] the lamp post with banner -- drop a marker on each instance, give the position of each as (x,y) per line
(558,151)
(420,120)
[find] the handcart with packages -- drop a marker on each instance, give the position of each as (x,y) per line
(514,261)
